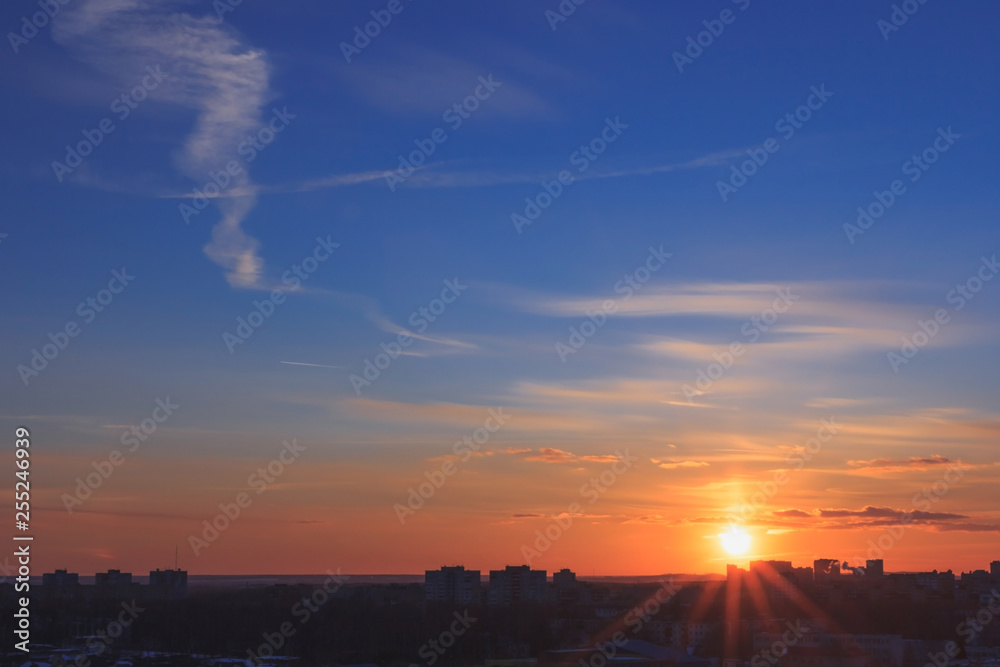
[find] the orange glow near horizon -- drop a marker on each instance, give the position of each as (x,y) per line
(667,512)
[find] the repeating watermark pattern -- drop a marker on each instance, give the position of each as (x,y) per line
(455,116)
(292,279)
(464,450)
(302,611)
(629,284)
(432,651)
(713,29)
(37,21)
(927,329)
(131,439)
(636,619)
(777,650)
(970,628)
(581,158)
(945,657)
(248,149)
(752,329)
(381,18)
(223,7)
(638,616)
(914,168)
(122,106)
(900,14)
(562,12)
(88,310)
(592,490)
(922,501)
(8,571)
(750,506)
(420,320)
(787,125)
(257,481)
(100,643)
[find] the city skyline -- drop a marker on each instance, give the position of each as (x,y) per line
(627,288)
(869,567)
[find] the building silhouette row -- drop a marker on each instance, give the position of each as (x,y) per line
(115,585)
(513,584)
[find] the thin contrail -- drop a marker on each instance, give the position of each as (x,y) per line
(299,363)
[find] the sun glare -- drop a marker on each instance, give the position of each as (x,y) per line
(735,541)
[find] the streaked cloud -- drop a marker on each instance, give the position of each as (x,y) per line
(914,462)
(211,70)
(429,82)
(672,464)
(552,455)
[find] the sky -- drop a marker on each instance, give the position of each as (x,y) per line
(573,285)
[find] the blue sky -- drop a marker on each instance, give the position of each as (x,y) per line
(324,175)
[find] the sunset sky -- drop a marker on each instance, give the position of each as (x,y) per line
(595,325)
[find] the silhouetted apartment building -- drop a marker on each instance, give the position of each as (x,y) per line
(978,579)
(565,585)
(517,583)
(113,578)
(61,585)
(115,585)
(60,578)
(777,577)
(773,576)
(824,569)
(936,581)
(453,584)
(168,584)
(803,576)
(874,568)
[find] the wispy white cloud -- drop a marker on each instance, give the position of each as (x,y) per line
(427,82)
(373,313)
(301,363)
(445,175)
(210,70)
(675,464)
(434,176)
(252,189)
(713,299)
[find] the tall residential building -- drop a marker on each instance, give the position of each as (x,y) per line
(113,578)
(874,568)
(60,578)
(734,575)
(61,585)
(564,581)
(995,568)
(776,576)
(168,584)
(825,568)
(115,585)
(452,584)
(803,575)
(517,583)
(771,566)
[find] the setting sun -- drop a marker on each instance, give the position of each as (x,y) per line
(735,541)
